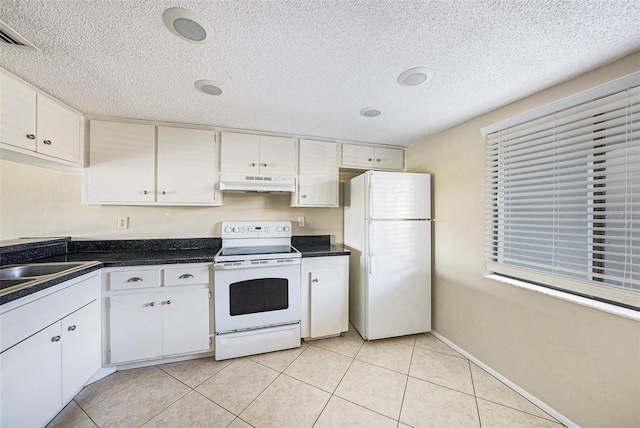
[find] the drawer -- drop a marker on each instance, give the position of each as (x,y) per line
(140,278)
(186,275)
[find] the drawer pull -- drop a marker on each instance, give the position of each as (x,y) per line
(31,137)
(314,280)
(47,142)
(55,339)
(185,276)
(72,328)
(135,279)
(168,302)
(370,159)
(152,304)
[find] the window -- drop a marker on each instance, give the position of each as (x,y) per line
(563,194)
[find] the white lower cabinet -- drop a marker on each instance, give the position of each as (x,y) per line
(51,348)
(324,296)
(158,319)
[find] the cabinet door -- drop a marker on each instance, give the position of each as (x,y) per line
(122,162)
(135,327)
(186,166)
(17,113)
(80,348)
(357,156)
(326,303)
(277,155)
(318,178)
(386,158)
(239,153)
(30,390)
(58,130)
(185,321)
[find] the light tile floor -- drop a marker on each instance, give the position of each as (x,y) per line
(411,381)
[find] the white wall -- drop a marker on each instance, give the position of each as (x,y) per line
(38,202)
(583,362)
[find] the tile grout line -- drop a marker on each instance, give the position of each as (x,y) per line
(475,396)
(406,383)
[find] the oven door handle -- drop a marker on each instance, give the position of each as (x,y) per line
(234,266)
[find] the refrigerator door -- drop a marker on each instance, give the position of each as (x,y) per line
(399,195)
(398,292)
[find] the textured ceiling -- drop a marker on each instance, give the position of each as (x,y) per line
(309,67)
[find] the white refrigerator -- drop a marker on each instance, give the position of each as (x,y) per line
(387,227)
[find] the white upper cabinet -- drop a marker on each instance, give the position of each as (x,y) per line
(32,123)
(123,169)
(121,162)
(371,157)
(318,174)
(186,166)
(257,154)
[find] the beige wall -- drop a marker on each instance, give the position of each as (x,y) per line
(41,202)
(582,362)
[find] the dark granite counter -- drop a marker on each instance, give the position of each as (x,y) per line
(131,252)
(318,246)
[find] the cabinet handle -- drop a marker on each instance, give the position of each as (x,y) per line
(370,159)
(185,276)
(31,137)
(377,160)
(72,328)
(164,193)
(264,164)
(304,196)
(47,142)
(145,192)
(253,164)
(135,279)
(152,304)
(168,302)
(55,339)
(314,280)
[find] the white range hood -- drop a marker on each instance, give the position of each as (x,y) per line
(256,183)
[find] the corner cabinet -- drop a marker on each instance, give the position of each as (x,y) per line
(156,312)
(318,175)
(37,129)
(372,157)
(50,348)
(130,165)
(257,154)
(324,296)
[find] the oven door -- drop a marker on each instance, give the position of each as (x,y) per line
(257,293)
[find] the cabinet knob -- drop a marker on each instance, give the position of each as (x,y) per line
(304,196)
(72,328)
(370,159)
(168,302)
(152,304)
(185,276)
(31,137)
(314,280)
(47,142)
(55,339)
(264,164)
(145,192)
(377,160)
(134,279)
(164,193)
(253,164)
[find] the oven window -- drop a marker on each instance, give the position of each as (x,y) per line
(258,295)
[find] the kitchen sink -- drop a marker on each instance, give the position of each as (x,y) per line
(36,269)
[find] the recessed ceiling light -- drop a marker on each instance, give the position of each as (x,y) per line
(371,111)
(188,25)
(415,76)
(210,87)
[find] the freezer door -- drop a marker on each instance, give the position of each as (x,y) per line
(399,195)
(399,279)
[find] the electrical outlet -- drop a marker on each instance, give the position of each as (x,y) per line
(123,222)
(301,221)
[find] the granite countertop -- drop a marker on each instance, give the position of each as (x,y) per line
(131,252)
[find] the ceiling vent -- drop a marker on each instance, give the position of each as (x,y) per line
(9,36)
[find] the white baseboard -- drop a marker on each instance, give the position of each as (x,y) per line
(544,406)
(147,363)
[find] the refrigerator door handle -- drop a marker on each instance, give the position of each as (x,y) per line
(370,248)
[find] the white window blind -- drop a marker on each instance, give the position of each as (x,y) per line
(563,197)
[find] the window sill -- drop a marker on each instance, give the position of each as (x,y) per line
(583,301)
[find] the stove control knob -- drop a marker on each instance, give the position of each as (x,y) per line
(286,228)
(227,229)
(236,229)
(279,229)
